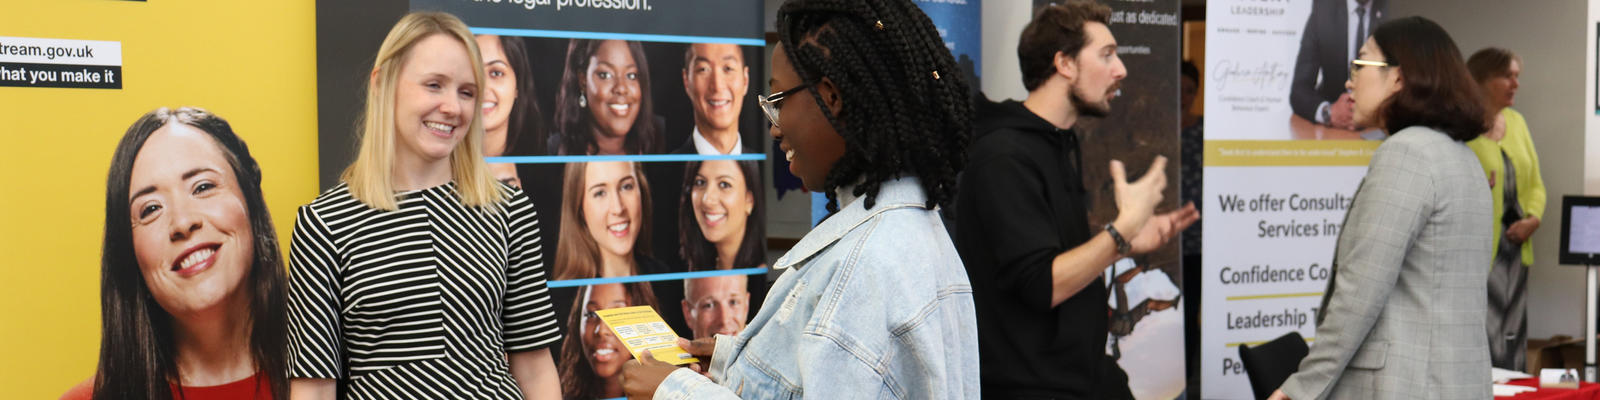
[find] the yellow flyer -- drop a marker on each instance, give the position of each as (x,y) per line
(640,328)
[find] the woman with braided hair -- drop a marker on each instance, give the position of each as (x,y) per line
(869,108)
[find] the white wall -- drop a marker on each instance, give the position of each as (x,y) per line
(791,217)
(771,15)
(1002,24)
(1555,46)
(1591,167)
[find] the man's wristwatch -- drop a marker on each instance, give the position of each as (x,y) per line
(1123,248)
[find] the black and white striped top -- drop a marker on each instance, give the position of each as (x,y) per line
(421,302)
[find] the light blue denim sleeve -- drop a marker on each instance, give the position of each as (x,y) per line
(685,384)
(827,370)
(833,371)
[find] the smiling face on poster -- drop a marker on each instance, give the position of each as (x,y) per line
(722,200)
(716,79)
(611,208)
(717,305)
(189,217)
(190,257)
(611,92)
(591,356)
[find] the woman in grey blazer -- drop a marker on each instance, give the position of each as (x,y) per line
(1403,314)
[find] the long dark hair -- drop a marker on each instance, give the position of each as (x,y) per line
(574,122)
(907,111)
(1437,90)
(526,119)
(137,352)
(578,380)
(701,253)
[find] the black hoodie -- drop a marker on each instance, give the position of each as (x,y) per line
(1021,204)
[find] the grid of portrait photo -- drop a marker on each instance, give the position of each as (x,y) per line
(644,160)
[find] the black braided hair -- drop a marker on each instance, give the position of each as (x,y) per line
(906,107)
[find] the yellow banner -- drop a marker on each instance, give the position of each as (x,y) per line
(1289,153)
(251,62)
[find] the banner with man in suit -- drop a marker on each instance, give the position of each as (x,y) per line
(1282,158)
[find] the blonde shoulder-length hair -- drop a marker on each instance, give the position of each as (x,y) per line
(370,177)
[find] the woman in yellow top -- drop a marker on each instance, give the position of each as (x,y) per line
(1512,167)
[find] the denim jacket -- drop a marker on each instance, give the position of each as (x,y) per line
(875,305)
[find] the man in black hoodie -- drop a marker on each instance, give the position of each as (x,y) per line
(1022,228)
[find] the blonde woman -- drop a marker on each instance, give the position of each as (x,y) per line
(419,276)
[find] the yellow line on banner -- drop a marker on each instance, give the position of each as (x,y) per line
(1275,296)
(1256,343)
(1289,153)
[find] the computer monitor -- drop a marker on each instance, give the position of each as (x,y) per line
(1580,230)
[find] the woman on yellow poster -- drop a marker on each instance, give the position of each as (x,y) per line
(192,290)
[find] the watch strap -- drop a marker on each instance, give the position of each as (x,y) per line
(1123,247)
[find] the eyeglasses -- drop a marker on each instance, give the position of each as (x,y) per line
(769,103)
(1356,64)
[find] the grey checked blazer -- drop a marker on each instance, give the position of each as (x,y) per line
(1403,314)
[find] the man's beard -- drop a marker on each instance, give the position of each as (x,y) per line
(1088,109)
